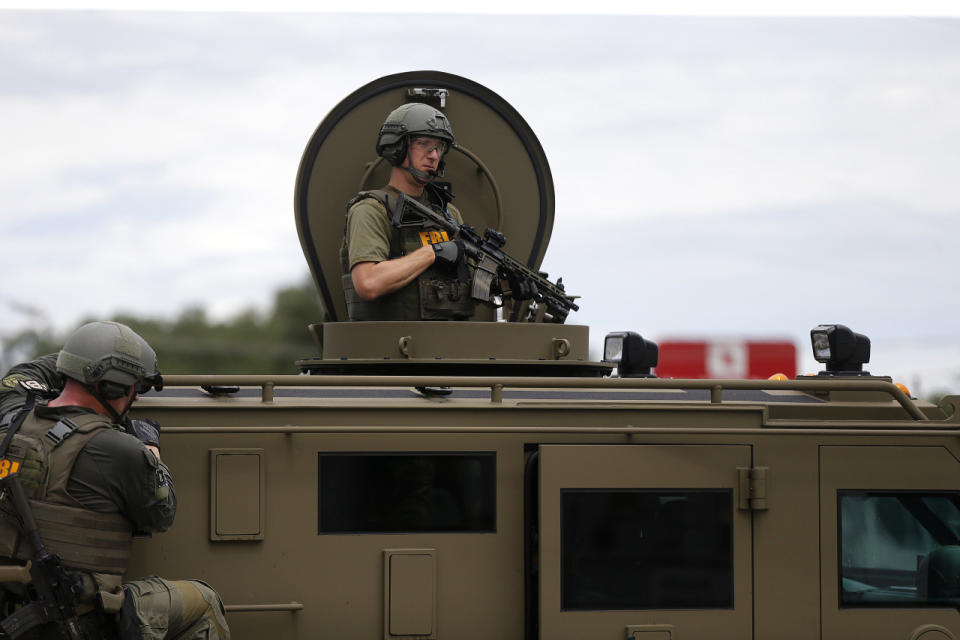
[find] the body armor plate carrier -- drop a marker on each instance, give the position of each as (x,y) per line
(436,294)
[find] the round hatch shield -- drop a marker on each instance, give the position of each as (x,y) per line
(497,167)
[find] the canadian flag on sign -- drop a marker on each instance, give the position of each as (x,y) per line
(727,360)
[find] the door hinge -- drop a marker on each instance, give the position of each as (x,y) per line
(753,488)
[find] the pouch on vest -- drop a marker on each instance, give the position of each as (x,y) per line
(444,298)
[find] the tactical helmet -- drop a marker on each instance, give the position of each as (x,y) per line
(412,119)
(109,352)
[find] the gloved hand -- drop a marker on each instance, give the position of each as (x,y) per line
(523,288)
(450,253)
(146,431)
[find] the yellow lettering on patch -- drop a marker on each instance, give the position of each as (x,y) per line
(433,237)
(8,467)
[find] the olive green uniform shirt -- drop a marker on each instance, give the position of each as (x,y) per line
(369,230)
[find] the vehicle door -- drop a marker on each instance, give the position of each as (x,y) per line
(644,542)
(890,542)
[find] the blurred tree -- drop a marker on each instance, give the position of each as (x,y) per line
(250,342)
(28,344)
(935,396)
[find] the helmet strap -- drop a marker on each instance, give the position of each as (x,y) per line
(420,176)
(117,417)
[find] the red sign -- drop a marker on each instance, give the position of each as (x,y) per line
(756,359)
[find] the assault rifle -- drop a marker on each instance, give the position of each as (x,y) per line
(54,591)
(57,590)
(491,265)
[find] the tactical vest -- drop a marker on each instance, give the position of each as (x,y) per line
(43,453)
(434,295)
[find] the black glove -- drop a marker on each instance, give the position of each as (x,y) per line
(146,431)
(450,253)
(523,288)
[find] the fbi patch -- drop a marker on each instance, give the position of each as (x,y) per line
(433,237)
(8,467)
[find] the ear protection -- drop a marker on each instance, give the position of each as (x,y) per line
(395,153)
(113,390)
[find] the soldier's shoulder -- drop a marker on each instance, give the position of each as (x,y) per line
(117,445)
(453,211)
(80,418)
(42,371)
(368,214)
(368,200)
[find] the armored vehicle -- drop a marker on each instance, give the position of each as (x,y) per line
(486,479)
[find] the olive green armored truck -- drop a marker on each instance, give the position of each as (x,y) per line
(484,478)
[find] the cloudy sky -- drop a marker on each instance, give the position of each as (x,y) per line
(716,177)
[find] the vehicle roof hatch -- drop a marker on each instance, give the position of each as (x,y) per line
(498,170)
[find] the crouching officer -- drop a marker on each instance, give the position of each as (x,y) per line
(79,478)
(410,273)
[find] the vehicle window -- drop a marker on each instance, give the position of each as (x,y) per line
(899,548)
(407,492)
(646,549)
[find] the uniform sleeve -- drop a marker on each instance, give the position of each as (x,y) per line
(368,233)
(115,472)
(42,372)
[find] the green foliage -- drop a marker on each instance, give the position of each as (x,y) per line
(249,342)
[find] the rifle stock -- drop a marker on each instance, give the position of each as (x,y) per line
(490,264)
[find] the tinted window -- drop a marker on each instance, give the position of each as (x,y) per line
(647,549)
(407,492)
(899,548)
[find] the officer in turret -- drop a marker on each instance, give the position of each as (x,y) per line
(92,478)
(408,274)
